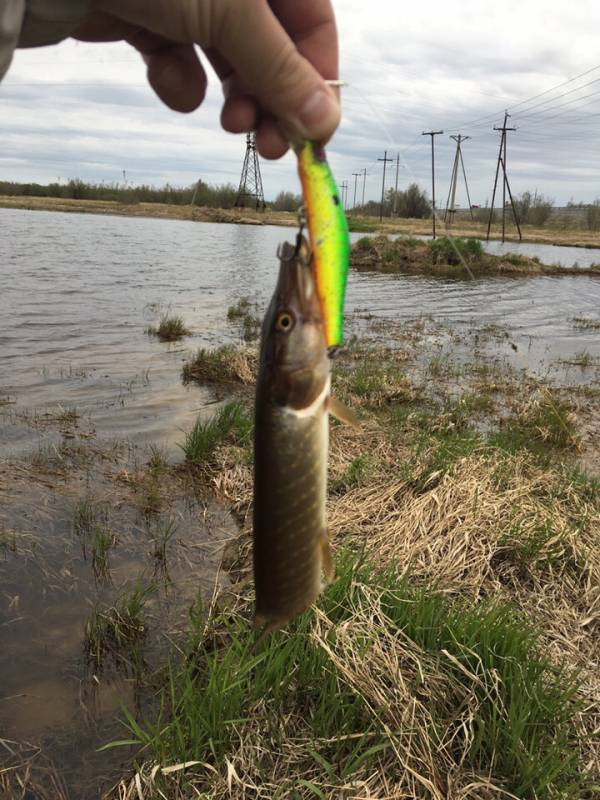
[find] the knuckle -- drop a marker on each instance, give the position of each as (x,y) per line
(285,69)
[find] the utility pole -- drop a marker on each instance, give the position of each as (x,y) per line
(433,134)
(344,188)
(458,159)
(385,160)
(396,185)
(356,176)
(505,183)
(364,184)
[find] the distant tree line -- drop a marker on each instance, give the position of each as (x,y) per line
(411,202)
(202,194)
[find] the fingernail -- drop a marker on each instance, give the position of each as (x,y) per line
(319,113)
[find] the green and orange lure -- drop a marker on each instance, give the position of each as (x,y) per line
(329,237)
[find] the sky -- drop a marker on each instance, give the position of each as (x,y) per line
(85,111)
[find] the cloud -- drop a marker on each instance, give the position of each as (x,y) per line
(81,110)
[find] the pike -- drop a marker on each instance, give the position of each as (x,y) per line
(292,555)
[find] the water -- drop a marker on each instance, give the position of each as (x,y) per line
(77,293)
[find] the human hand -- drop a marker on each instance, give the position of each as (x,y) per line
(272,57)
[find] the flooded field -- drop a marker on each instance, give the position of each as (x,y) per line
(95,533)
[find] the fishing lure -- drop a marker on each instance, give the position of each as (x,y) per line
(329,237)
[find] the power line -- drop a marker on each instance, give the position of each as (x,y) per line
(494,114)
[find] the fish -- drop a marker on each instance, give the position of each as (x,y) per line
(292,556)
(328,234)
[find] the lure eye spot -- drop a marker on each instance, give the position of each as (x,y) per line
(336,199)
(284,322)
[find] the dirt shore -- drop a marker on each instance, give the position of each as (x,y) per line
(412,227)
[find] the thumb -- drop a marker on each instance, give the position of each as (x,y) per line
(253,41)
(282,80)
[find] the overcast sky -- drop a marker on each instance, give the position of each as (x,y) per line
(85,111)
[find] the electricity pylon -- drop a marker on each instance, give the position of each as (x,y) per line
(250,192)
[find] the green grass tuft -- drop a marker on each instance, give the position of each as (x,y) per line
(455,250)
(118,631)
(355,475)
(170,329)
(218,366)
(232,422)
(357,225)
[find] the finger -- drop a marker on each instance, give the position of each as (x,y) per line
(270,142)
(220,65)
(311,25)
(177,77)
(174,70)
(239,114)
(101,27)
(253,41)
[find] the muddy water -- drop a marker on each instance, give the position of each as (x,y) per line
(77,293)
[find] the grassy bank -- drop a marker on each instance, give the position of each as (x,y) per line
(572,237)
(244,216)
(456,257)
(454,657)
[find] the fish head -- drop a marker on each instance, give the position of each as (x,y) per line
(294,352)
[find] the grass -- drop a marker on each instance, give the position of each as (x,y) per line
(8,542)
(90,524)
(448,257)
(224,365)
(118,631)
(325,703)
(355,475)
(245,312)
(231,423)
(240,309)
(587,323)
(364,244)
(101,544)
(170,328)
(543,422)
(357,225)
(160,540)
(583,359)
(539,546)
(158,462)
(455,250)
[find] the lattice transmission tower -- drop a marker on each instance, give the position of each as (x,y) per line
(250,192)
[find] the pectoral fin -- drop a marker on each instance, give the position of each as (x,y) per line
(342,412)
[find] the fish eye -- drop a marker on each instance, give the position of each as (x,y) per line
(284,322)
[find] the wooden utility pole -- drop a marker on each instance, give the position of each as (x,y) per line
(344,188)
(505,184)
(364,185)
(458,160)
(385,160)
(396,185)
(356,176)
(433,134)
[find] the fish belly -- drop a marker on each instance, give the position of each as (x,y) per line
(290,490)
